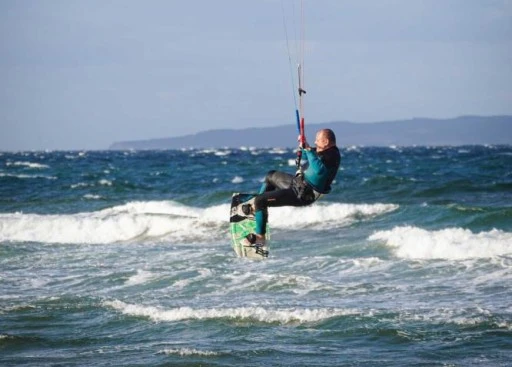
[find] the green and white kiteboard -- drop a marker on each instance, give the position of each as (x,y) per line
(240,225)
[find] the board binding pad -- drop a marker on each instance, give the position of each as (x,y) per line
(241,225)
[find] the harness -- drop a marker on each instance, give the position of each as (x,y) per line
(303,190)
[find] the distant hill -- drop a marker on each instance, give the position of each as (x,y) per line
(464,130)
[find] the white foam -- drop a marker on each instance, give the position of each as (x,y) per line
(27,164)
(367,263)
(168,220)
(183,352)
(92,197)
(237,179)
(322,215)
(353,148)
(277,151)
(458,315)
(80,184)
(451,243)
(222,153)
(105,182)
(135,221)
(267,315)
(141,277)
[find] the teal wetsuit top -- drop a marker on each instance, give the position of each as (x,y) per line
(321,168)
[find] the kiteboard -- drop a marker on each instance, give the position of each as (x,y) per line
(241,224)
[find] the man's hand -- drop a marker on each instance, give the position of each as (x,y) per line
(304,145)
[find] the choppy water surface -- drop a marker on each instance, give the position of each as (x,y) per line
(123,258)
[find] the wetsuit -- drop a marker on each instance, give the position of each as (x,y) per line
(283,189)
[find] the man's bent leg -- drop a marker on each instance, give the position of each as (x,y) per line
(276,198)
(276,180)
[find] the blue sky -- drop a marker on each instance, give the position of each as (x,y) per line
(83,74)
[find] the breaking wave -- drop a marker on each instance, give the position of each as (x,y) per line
(261,314)
(451,243)
(156,220)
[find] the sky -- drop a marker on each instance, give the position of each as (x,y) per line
(77,74)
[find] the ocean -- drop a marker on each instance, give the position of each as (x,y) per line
(123,258)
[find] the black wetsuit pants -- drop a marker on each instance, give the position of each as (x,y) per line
(280,189)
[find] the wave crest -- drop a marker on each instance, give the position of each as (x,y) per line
(150,221)
(451,243)
(283,316)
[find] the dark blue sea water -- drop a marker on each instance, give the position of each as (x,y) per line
(122,258)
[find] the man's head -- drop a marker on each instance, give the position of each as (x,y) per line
(325,139)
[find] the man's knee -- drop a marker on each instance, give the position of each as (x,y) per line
(268,177)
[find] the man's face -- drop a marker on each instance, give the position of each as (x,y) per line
(321,142)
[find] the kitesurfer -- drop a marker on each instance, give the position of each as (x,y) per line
(301,189)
